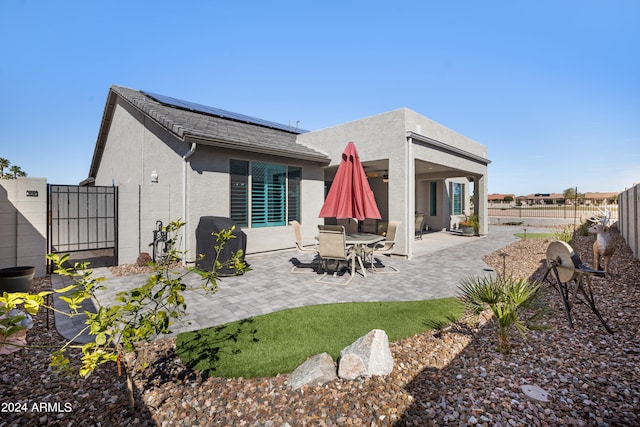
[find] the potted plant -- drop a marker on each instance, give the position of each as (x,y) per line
(469,225)
(16,279)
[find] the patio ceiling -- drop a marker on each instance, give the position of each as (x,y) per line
(423,170)
(428,170)
(373,169)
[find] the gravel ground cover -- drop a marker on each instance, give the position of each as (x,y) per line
(449,377)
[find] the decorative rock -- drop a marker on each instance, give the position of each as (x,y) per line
(13,343)
(143,259)
(368,355)
(351,367)
(535,393)
(316,370)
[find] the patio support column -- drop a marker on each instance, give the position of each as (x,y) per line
(480,207)
(410,202)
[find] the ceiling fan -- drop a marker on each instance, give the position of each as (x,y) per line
(384,174)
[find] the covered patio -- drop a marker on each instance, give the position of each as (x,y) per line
(414,166)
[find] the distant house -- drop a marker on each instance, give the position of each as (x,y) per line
(557,198)
(172,158)
(501,198)
(600,198)
(542,199)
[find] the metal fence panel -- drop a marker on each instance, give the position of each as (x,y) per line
(552,211)
(82,218)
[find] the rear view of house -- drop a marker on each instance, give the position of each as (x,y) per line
(175,159)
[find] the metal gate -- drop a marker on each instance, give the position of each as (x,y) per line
(83,222)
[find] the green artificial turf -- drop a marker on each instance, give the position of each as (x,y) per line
(279,342)
(536,235)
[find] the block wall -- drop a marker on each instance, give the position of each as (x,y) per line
(629,218)
(23,223)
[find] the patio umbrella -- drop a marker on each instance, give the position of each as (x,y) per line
(350,195)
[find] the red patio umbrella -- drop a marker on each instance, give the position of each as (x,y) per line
(350,195)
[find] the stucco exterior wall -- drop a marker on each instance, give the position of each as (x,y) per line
(460,165)
(209,195)
(378,137)
(422,125)
(23,223)
(137,147)
(440,221)
(139,207)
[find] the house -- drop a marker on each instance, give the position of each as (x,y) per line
(595,198)
(542,199)
(501,198)
(173,159)
(599,198)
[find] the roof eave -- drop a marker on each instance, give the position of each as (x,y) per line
(102,134)
(439,145)
(242,146)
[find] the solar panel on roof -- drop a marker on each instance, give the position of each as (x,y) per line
(192,106)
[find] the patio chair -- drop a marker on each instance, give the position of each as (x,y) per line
(300,245)
(419,225)
(333,247)
(309,247)
(384,247)
(370,226)
(349,224)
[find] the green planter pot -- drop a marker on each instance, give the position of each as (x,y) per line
(467,231)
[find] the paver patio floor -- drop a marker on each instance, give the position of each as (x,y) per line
(440,260)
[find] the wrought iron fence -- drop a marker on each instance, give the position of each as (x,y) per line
(82,218)
(553,211)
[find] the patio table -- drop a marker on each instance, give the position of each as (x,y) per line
(359,241)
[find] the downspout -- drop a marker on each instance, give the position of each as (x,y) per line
(186,157)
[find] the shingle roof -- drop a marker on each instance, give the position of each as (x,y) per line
(496,196)
(207,129)
(215,130)
(600,195)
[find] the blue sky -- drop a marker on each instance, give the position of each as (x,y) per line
(551,87)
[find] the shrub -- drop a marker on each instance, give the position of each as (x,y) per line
(139,315)
(583,229)
(565,234)
(470,221)
(509,299)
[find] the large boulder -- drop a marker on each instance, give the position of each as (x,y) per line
(368,355)
(316,370)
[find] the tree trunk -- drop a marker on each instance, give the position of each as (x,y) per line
(132,401)
(503,341)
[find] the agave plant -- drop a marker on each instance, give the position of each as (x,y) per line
(513,302)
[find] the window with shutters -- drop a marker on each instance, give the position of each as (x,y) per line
(264,194)
(239,205)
